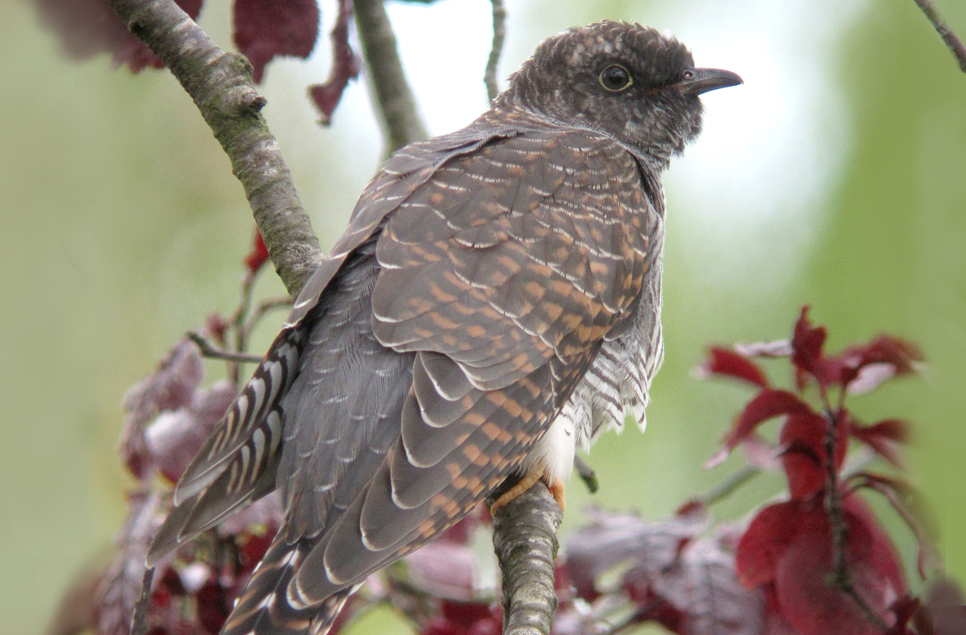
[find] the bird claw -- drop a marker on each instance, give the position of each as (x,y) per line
(556,488)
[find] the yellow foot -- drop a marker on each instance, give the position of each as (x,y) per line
(556,489)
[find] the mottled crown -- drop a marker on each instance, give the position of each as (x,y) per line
(562,81)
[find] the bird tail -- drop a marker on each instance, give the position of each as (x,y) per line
(238,462)
(264,608)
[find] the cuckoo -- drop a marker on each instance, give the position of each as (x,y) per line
(494,304)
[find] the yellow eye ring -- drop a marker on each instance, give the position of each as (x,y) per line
(615,78)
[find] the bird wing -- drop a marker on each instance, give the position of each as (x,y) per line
(239,462)
(501,275)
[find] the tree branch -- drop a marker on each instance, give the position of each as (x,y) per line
(842,577)
(954,44)
(499,35)
(220,85)
(525,541)
(393,95)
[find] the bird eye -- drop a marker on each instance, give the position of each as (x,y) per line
(688,74)
(615,78)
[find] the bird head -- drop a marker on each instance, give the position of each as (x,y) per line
(625,80)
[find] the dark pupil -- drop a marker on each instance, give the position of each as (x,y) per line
(615,77)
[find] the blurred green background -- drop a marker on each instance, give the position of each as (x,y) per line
(836,176)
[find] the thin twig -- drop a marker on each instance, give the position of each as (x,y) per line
(496,49)
(393,95)
(587,475)
(208,349)
(727,487)
(631,619)
(954,44)
(238,323)
(139,621)
(221,86)
(842,577)
(264,308)
(525,541)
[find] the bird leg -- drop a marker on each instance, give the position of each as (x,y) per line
(556,487)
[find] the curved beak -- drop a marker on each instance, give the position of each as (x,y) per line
(705,79)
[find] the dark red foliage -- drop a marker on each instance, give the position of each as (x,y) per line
(258,254)
(767,404)
(465,618)
(175,437)
(807,343)
(788,550)
(672,577)
(884,437)
(345,66)
(804,456)
(170,388)
(728,363)
(89,27)
(266,28)
(213,606)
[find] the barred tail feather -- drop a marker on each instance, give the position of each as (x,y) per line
(239,462)
(252,428)
(263,607)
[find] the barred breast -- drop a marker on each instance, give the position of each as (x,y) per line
(620,377)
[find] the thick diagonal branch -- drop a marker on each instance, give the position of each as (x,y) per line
(525,541)
(221,86)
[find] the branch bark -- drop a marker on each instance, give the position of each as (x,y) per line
(221,86)
(952,42)
(525,541)
(496,49)
(395,100)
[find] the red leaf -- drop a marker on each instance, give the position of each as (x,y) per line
(864,368)
(765,541)
(345,66)
(805,458)
(722,361)
(171,387)
(174,438)
(89,27)
(766,405)
(790,545)
(255,258)
(807,343)
(905,608)
(610,540)
(883,437)
(120,585)
(266,28)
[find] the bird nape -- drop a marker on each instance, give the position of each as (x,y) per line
(494,304)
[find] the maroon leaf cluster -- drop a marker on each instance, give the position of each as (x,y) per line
(345,66)
(671,575)
(169,417)
(822,559)
(89,27)
(255,258)
(262,30)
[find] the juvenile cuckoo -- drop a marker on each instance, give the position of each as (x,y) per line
(494,303)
